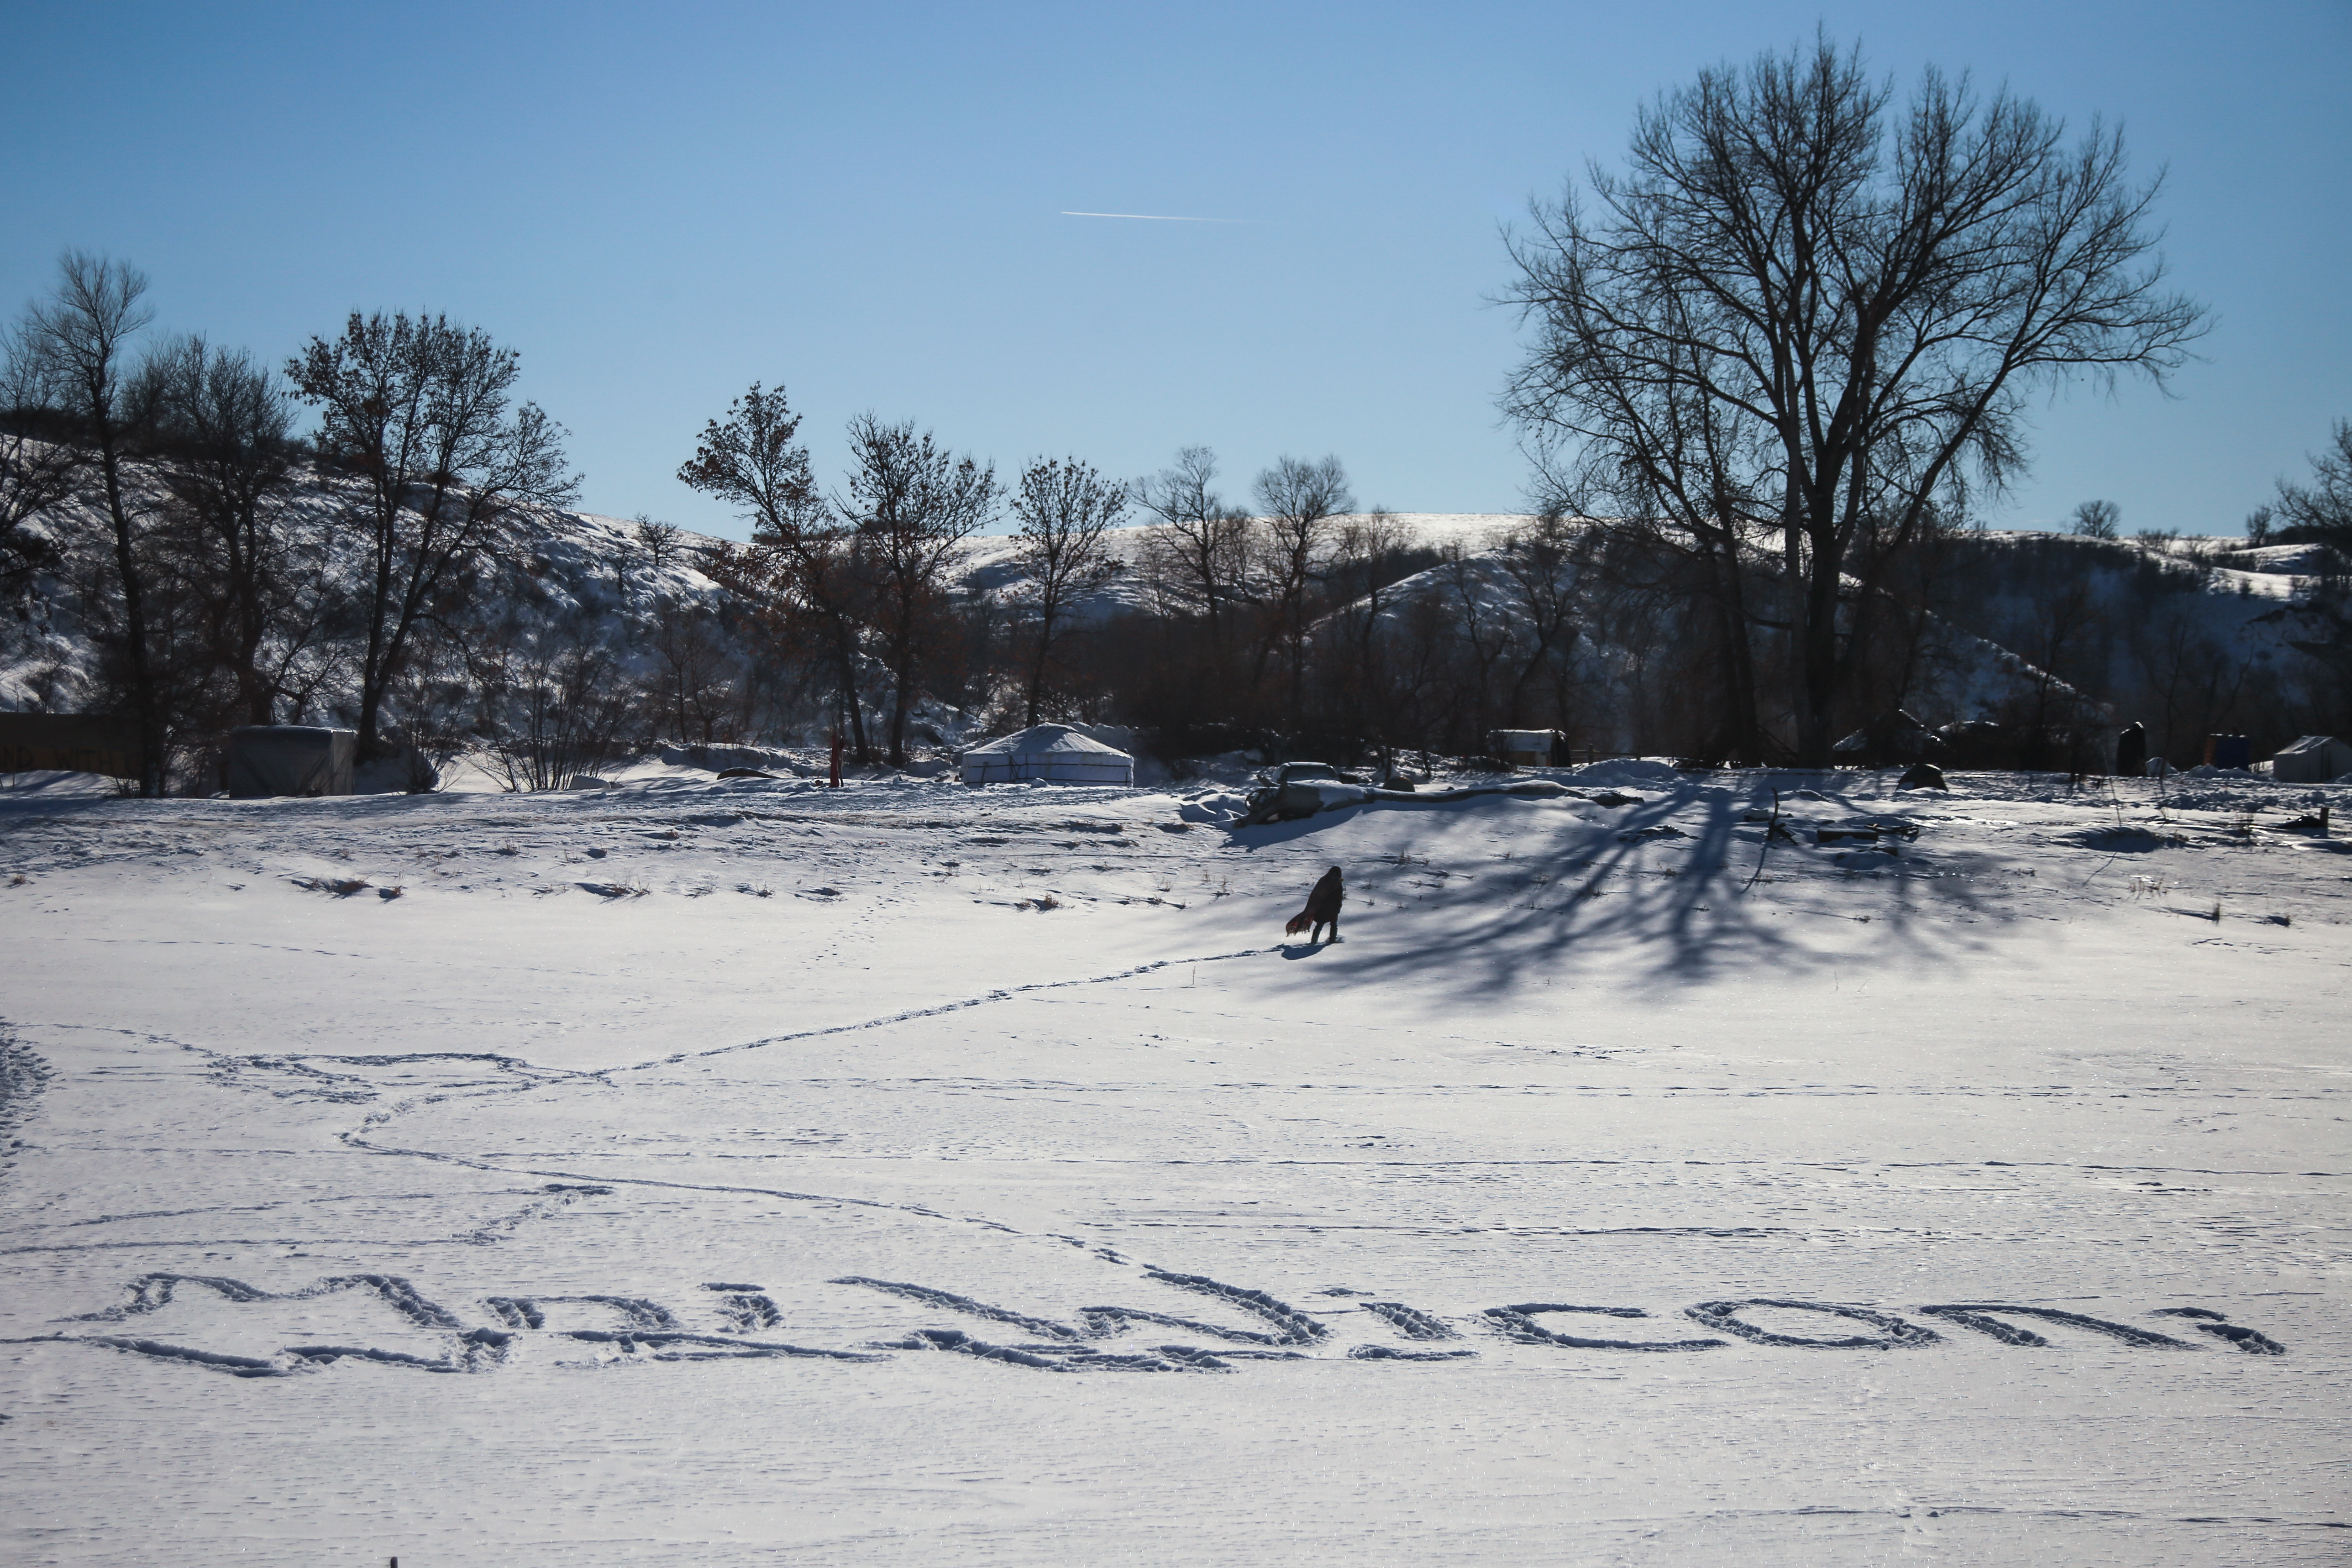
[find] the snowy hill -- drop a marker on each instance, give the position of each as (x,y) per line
(2022,620)
(552,567)
(2183,634)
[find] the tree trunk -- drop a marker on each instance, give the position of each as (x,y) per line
(1817,648)
(845,656)
(145,705)
(1038,673)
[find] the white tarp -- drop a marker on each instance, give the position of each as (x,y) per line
(2313,759)
(1528,747)
(1050,751)
(270,759)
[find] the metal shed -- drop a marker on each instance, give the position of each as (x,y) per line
(2313,759)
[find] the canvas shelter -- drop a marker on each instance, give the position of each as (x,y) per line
(266,760)
(1530,747)
(2313,759)
(1053,752)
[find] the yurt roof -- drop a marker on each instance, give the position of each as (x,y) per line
(1043,739)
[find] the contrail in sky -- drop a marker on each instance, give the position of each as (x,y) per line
(1156,217)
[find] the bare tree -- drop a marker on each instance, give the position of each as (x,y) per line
(223,436)
(2321,511)
(420,413)
(1483,638)
(1365,565)
(1300,503)
(1541,568)
(1801,319)
(1064,508)
(661,542)
(76,342)
(798,567)
(913,504)
(692,689)
(2190,679)
(1206,545)
(554,702)
(2097,519)
(39,466)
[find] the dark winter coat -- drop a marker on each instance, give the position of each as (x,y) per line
(1323,903)
(2131,751)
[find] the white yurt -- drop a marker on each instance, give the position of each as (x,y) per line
(1054,752)
(2313,759)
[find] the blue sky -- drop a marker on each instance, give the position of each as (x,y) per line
(659,205)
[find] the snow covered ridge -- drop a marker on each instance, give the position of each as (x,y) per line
(2018,627)
(552,568)
(2034,632)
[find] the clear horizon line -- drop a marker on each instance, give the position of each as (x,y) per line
(1156,217)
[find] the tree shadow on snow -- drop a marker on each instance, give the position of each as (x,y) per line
(1618,896)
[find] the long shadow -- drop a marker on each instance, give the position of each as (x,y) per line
(1594,894)
(17,810)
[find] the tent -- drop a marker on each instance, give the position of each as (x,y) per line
(1530,747)
(1048,751)
(290,759)
(2313,759)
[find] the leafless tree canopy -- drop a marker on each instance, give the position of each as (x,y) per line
(2097,519)
(798,572)
(1775,360)
(912,503)
(2321,511)
(256,589)
(1063,508)
(1299,504)
(77,346)
(422,413)
(39,464)
(1805,318)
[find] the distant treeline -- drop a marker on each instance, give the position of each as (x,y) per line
(408,569)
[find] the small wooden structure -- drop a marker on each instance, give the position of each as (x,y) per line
(69,743)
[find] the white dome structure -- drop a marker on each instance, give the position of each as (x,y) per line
(1053,752)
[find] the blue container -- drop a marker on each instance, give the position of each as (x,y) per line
(2229,751)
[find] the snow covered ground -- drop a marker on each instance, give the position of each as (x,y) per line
(919,1175)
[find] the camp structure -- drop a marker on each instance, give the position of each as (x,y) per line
(1053,752)
(2313,759)
(70,742)
(266,760)
(1531,747)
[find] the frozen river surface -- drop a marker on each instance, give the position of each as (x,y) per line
(754,1173)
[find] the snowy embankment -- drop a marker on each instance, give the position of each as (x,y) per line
(676,1176)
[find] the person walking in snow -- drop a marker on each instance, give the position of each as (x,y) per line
(1322,908)
(2131,750)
